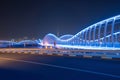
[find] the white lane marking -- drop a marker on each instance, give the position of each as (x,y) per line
(75,69)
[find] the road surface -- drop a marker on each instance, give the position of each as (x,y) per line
(43,67)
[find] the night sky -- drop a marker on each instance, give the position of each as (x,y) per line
(36,18)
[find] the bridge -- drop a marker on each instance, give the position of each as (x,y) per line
(100,39)
(102,35)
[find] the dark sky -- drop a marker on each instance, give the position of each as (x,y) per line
(36,18)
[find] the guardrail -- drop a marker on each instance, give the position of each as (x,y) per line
(111,54)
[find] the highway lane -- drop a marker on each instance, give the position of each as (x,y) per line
(43,67)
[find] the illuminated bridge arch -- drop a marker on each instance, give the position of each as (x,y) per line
(105,33)
(64,37)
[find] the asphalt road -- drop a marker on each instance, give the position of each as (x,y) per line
(43,67)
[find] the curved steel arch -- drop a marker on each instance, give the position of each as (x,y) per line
(90,36)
